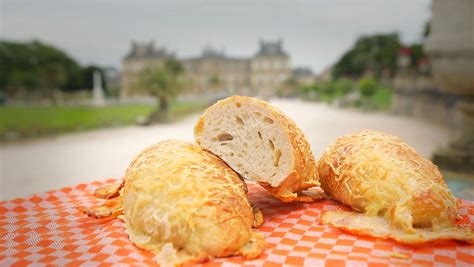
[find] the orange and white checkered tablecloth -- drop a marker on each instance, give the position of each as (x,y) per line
(46,229)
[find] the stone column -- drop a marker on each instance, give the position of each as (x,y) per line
(451,48)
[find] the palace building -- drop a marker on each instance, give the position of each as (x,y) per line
(213,72)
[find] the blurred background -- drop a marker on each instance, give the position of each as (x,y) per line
(85,85)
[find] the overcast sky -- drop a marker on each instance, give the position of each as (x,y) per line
(315,33)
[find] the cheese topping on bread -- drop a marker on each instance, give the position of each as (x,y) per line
(184,204)
(401,195)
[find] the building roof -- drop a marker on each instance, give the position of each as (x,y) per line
(148,50)
(210,52)
(404,51)
(271,48)
(302,71)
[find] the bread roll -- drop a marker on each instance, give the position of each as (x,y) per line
(401,195)
(261,144)
(185,205)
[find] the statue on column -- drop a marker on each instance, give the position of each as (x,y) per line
(98,98)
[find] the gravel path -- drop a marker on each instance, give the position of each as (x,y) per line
(35,166)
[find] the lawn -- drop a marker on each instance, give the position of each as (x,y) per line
(382,98)
(20,122)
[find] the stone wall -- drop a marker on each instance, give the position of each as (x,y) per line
(418,96)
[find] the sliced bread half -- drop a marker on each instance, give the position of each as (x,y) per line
(260,143)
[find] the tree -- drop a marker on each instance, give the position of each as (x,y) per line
(427,29)
(214,80)
(36,68)
(163,83)
(288,88)
(370,53)
(417,53)
(367,86)
(342,86)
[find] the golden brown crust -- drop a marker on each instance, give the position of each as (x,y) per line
(186,205)
(112,208)
(380,175)
(109,191)
(304,172)
(257,218)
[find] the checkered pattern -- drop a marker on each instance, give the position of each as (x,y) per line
(46,229)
